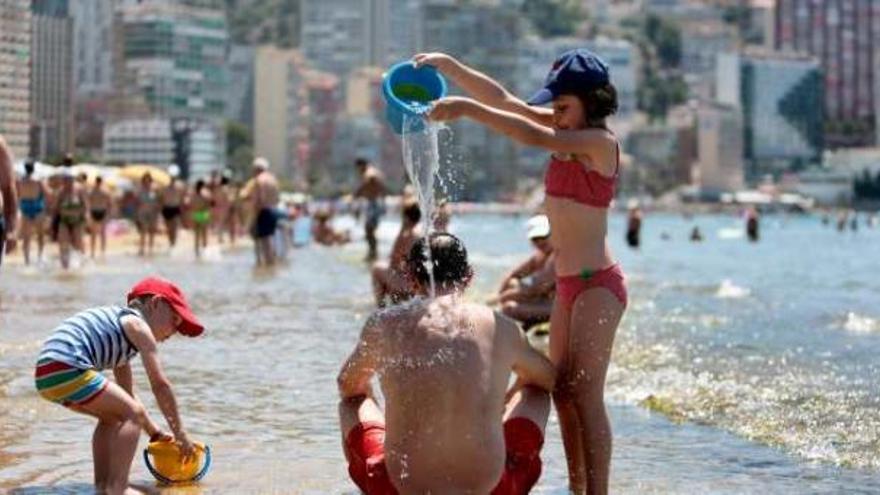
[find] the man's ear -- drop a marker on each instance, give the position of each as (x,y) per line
(466,282)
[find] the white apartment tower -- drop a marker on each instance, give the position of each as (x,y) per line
(15,75)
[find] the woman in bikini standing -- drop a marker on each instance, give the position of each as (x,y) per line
(71,206)
(147,214)
(33,198)
(580,179)
(101,206)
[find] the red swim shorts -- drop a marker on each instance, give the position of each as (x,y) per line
(523,441)
(365,449)
(365,446)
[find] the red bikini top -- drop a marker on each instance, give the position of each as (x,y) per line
(573,180)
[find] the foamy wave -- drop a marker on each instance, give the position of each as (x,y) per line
(731,233)
(807,413)
(729,290)
(857,323)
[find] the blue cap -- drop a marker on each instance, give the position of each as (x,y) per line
(574,71)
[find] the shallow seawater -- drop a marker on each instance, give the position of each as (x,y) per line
(738,367)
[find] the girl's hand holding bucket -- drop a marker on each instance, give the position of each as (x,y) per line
(439,60)
(409,92)
(449,108)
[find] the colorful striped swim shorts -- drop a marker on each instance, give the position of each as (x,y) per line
(63,384)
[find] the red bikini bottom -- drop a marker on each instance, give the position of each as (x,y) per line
(569,287)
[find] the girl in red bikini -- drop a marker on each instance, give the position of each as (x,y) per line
(590,289)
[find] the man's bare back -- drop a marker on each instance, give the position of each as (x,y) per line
(444,367)
(441,363)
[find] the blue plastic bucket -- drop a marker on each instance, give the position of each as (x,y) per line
(408,91)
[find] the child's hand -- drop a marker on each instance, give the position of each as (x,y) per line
(439,60)
(449,108)
(187,449)
(161,436)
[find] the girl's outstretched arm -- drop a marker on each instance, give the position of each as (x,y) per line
(483,88)
(598,144)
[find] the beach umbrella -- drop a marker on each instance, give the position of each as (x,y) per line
(91,171)
(109,174)
(136,172)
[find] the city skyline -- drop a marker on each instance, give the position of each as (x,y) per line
(178,62)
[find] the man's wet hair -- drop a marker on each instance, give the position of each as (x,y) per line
(412,212)
(361,162)
(67,161)
(449,259)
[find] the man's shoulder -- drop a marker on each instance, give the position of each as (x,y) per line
(485,316)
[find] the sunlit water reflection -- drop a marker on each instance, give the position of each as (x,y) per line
(738,367)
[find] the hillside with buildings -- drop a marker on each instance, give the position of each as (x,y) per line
(715,95)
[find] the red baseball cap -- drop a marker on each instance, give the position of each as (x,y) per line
(155,286)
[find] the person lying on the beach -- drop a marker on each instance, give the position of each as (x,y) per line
(389,280)
(69,366)
(324,233)
(450,425)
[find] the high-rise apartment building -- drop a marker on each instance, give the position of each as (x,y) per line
(279,119)
(336,35)
(339,36)
(322,94)
(93,46)
(780,96)
(52,105)
(15,75)
(845,36)
(720,165)
(194,146)
(174,58)
(488,37)
(240,98)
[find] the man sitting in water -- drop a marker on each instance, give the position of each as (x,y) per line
(451,425)
(389,280)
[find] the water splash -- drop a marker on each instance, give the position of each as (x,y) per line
(421,158)
(729,290)
(857,323)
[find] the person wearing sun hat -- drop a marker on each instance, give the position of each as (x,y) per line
(68,372)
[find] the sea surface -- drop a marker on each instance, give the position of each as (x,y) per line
(738,368)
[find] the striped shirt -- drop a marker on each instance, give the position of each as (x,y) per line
(92,339)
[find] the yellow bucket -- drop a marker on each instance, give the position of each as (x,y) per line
(168,465)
